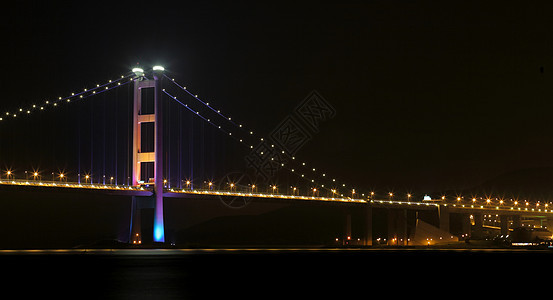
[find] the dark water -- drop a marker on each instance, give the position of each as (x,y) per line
(260,274)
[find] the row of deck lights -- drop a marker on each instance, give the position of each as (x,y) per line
(61,176)
(273,189)
(67,184)
(496,202)
(282,196)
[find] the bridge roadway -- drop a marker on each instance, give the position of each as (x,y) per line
(124,190)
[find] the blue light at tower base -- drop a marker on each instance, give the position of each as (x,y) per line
(159,235)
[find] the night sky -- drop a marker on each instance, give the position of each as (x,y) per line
(428,96)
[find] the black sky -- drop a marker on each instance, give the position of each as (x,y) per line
(427,95)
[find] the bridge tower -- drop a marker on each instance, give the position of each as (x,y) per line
(147,165)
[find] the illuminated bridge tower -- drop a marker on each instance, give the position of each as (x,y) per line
(147,165)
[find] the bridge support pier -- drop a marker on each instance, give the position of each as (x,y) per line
(368,226)
(141,220)
(443,215)
(478,226)
(397,227)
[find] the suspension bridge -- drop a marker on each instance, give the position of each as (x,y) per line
(146,136)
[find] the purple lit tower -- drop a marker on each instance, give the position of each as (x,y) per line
(148,156)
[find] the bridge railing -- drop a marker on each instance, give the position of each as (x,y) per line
(65,184)
(235,193)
